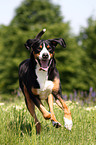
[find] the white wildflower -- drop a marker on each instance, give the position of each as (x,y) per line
(90,108)
(1,104)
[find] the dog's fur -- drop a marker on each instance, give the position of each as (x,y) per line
(39,80)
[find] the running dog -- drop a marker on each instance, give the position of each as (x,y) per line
(39,80)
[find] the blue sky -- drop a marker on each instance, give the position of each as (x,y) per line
(75,11)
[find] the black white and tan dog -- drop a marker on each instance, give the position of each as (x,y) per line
(39,80)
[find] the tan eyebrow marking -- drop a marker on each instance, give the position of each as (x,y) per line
(48,46)
(40,46)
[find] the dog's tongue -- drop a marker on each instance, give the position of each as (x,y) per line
(44,69)
(44,65)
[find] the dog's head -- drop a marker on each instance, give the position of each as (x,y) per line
(43,50)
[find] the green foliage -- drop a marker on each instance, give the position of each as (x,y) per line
(11,50)
(87,38)
(76,63)
(17,126)
(14,36)
(33,12)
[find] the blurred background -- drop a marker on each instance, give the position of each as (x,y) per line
(75,21)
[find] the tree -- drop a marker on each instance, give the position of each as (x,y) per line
(31,17)
(39,12)
(11,54)
(87,38)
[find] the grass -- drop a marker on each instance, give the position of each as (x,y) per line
(17,126)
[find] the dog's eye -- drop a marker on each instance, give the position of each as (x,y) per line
(37,50)
(49,49)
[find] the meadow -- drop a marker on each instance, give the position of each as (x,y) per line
(17,126)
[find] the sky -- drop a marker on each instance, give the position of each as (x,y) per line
(75,11)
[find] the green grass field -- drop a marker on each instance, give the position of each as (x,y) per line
(17,126)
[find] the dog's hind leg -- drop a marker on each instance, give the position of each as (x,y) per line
(53,118)
(59,104)
(31,108)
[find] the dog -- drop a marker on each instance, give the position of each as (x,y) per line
(39,80)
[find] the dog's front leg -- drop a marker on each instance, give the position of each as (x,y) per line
(67,114)
(40,106)
(53,118)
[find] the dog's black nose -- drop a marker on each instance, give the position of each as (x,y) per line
(45,56)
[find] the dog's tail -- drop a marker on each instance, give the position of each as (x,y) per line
(40,34)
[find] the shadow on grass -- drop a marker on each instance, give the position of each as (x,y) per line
(19,127)
(26,128)
(22,127)
(45,127)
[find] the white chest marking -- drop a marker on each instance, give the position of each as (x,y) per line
(45,85)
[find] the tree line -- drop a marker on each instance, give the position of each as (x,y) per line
(76,63)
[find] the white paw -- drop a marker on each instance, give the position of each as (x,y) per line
(68,123)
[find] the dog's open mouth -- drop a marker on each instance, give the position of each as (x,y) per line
(44,65)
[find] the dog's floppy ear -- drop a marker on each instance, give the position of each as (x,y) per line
(58,41)
(29,43)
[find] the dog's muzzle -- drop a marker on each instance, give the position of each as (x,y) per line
(44,62)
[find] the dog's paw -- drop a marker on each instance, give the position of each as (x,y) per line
(68,123)
(56,124)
